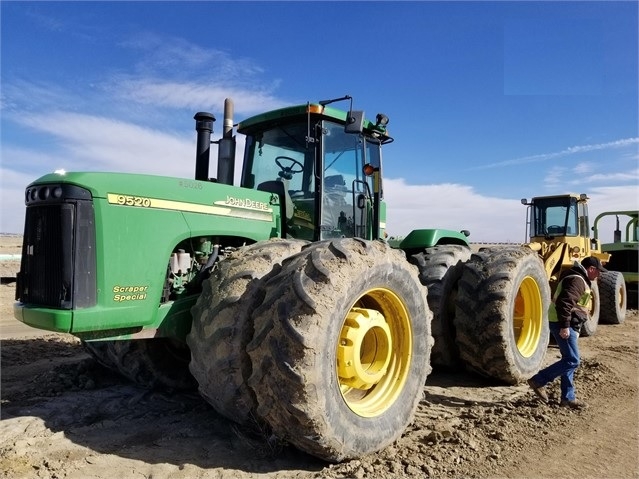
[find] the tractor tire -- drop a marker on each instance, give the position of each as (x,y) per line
(440,269)
(100,351)
(222,326)
(341,348)
(613,298)
(501,318)
(156,363)
(589,328)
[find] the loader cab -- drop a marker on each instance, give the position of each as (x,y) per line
(557,216)
(562,218)
(324,172)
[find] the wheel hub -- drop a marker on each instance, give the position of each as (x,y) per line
(528,317)
(364,350)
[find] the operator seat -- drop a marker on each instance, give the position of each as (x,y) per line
(280,188)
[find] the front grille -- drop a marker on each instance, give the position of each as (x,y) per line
(623,260)
(58,252)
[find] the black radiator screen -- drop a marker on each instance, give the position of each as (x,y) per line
(58,252)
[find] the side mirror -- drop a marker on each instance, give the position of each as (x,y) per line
(354,122)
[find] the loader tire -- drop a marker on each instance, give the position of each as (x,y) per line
(341,348)
(613,298)
(501,318)
(157,363)
(440,268)
(222,326)
(589,328)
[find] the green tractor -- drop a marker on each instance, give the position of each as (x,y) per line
(624,252)
(279,299)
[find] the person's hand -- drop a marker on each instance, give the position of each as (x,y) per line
(564,333)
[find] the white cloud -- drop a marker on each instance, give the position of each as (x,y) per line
(194,95)
(169,52)
(557,177)
(174,73)
(178,58)
(21,97)
(102,144)
(610,177)
(454,207)
(554,176)
(35,161)
(584,175)
(489,219)
(12,207)
(584,168)
(612,198)
(626,142)
(90,143)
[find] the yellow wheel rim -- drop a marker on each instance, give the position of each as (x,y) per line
(374,352)
(621,299)
(528,317)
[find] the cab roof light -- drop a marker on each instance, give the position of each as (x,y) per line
(311,108)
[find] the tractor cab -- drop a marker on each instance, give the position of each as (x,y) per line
(323,167)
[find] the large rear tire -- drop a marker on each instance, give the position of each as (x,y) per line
(222,326)
(502,313)
(589,328)
(100,351)
(153,363)
(613,296)
(440,269)
(341,348)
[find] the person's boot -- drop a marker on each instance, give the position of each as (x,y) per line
(573,404)
(539,390)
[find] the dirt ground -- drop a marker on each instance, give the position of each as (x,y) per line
(65,416)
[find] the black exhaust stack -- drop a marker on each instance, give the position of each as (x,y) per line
(204,127)
(226,147)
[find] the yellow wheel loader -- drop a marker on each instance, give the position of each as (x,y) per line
(558,228)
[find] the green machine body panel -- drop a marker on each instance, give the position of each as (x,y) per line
(419,239)
(624,249)
(140,222)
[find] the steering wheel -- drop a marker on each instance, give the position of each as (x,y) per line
(287,171)
(553,230)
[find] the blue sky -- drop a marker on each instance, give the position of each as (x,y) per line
(489,102)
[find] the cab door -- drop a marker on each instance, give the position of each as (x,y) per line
(346,199)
